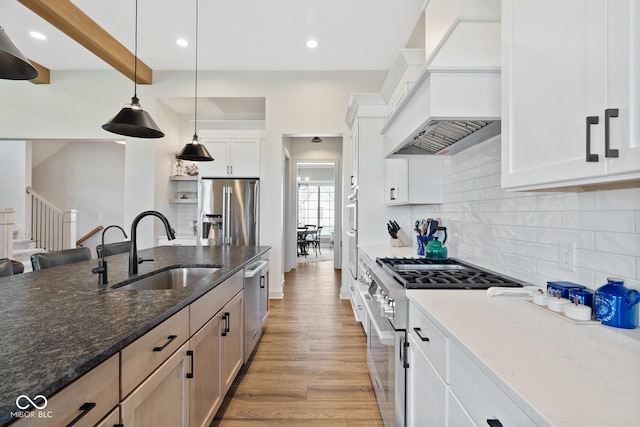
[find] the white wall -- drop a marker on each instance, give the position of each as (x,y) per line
(77,103)
(518,233)
(87,176)
(13,180)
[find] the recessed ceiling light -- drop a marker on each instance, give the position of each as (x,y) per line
(182,42)
(37,35)
(312,44)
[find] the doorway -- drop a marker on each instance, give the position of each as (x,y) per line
(316,211)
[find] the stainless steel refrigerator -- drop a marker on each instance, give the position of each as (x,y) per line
(228,211)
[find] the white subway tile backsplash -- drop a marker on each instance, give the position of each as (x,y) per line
(552,236)
(627,199)
(540,219)
(552,272)
(517,262)
(599,220)
(537,251)
(618,243)
(517,233)
(609,264)
(528,204)
(559,202)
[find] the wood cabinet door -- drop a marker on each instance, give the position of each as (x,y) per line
(163,398)
(205,394)
(245,158)
(231,343)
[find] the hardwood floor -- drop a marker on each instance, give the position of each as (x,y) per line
(310,366)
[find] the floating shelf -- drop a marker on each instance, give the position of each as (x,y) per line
(184,201)
(183,178)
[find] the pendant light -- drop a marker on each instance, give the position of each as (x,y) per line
(132,120)
(316,139)
(13,64)
(193,150)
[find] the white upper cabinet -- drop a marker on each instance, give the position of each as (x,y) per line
(570,94)
(234,156)
(414,180)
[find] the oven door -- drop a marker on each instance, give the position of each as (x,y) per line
(387,374)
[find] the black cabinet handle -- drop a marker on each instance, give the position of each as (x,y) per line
(228,322)
(591,120)
(351,179)
(405,364)
(262,280)
(170,338)
(190,354)
(494,423)
(85,408)
(392,193)
(608,113)
(418,332)
(225,317)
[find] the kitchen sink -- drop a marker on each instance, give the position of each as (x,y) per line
(174,278)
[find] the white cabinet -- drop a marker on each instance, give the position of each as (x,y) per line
(415,180)
(571,102)
(355,158)
(233,157)
(426,391)
(446,388)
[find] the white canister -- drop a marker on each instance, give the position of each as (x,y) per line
(577,311)
(557,304)
(539,299)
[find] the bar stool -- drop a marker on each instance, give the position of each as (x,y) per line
(53,259)
(6,267)
(113,248)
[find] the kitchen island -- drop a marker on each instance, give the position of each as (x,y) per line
(58,324)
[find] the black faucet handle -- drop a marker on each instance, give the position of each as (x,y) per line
(99,269)
(141,260)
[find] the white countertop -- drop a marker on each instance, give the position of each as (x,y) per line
(556,371)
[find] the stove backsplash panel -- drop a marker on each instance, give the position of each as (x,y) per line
(518,234)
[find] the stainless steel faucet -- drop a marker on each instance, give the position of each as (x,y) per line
(133,251)
(101,270)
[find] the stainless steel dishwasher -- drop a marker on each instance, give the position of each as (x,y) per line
(256,291)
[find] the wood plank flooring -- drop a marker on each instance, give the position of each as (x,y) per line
(310,366)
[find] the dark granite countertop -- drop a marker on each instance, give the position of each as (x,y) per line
(57,324)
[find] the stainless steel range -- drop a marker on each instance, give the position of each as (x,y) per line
(387,305)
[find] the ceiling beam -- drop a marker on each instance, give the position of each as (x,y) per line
(44,75)
(72,21)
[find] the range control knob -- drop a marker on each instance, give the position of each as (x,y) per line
(390,309)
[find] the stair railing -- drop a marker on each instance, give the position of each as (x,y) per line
(51,228)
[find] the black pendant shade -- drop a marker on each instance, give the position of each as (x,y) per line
(13,64)
(316,139)
(132,120)
(194,152)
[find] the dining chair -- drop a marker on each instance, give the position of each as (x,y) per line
(44,260)
(113,248)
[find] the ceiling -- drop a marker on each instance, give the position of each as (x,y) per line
(233,35)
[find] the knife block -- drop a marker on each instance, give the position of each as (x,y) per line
(402,240)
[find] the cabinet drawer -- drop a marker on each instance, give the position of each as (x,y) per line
(430,340)
(110,420)
(94,394)
(479,396)
(205,307)
(145,354)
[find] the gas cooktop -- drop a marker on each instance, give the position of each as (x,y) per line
(422,273)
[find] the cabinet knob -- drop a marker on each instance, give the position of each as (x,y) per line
(494,423)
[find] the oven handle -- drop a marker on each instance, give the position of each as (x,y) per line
(385,337)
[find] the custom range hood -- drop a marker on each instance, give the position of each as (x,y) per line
(450,136)
(447,97)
